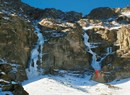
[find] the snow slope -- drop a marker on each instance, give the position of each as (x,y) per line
(68,84)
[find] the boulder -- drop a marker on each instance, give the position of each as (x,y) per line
(103,77)
(16,89)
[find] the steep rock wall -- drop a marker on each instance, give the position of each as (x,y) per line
(64,47)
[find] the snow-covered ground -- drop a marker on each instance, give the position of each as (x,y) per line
(67,84)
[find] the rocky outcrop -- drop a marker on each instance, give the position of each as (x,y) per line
(16,38)
(123,39)
(123,19)
(116,64)
(55,14)
(64,47)
(14,88)
(16,41)
(101,13)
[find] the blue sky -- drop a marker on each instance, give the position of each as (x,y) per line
(83,6)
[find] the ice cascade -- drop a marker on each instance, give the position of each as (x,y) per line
(36,55)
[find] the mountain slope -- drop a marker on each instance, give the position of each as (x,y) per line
(35,42)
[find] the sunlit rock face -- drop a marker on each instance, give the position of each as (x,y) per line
(64,47)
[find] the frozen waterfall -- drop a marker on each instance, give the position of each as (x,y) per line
(95,64)
(36,54)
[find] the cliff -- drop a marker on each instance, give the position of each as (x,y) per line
(71,42)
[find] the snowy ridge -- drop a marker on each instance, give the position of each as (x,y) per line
(36,54)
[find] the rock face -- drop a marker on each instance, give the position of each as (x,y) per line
(109,38)
(112,44)
(64,48)
(55,14)
(123,39)
(101,13)
(16,41)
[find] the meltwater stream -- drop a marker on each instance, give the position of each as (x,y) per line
(36,54)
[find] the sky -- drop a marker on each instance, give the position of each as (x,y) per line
(82,6)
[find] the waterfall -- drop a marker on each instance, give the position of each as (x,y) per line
(95,64)
(36,55)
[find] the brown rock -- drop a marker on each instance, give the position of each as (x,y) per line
(101,13)
(16,89)
(65,50)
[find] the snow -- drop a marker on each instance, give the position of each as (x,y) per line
(1,80)
(95,64)
(92,26)
(124,86)
(6,18)
(3,73)
(71,85)
(50,86)
(126,13)
(115,27)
